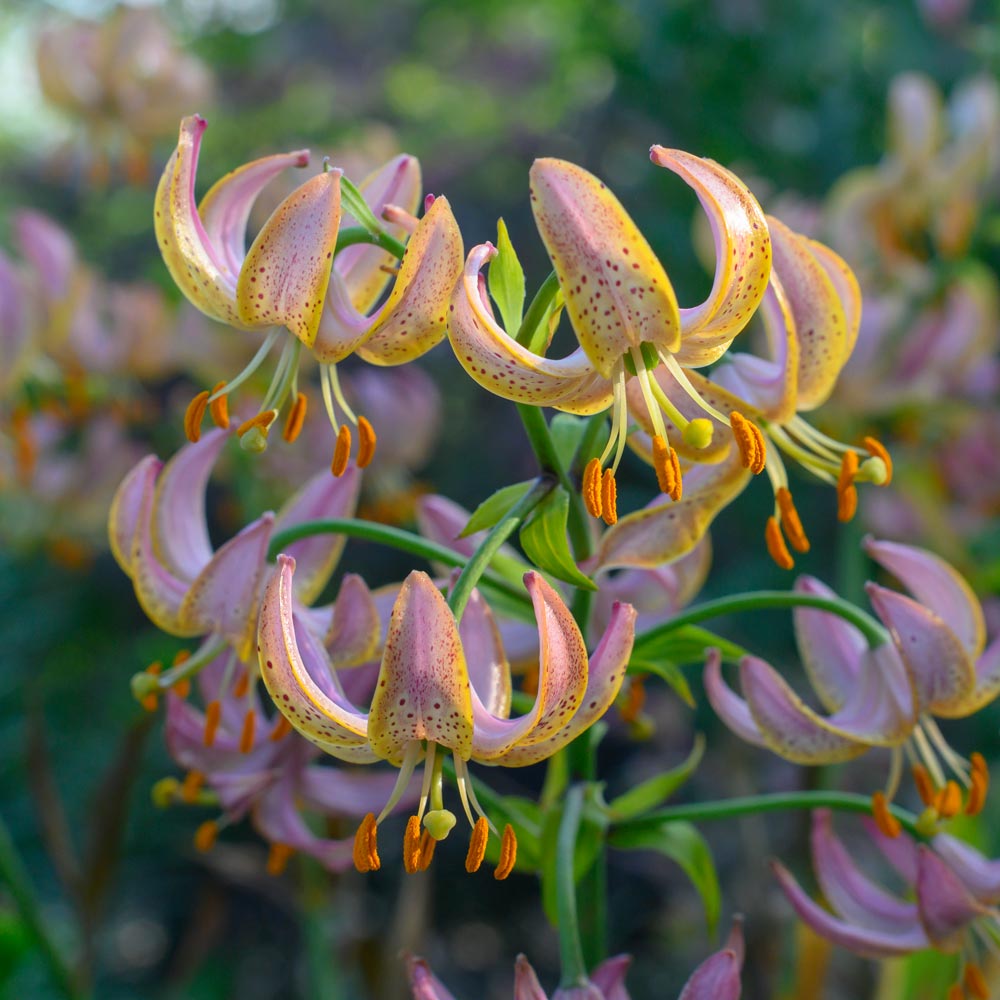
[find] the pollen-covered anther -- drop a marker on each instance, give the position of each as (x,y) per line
(411,845)
(366,442)
(365,852)
(847,492)
(260,422)
(477,845)
(925,784)
(341,451)
(776,547)
(213,713)
(242,684)
(884,819)
(790,520)
(149,701)
(219,406)
(975,982)
(281,729)
(427,845)
(194,415)
(296,418)
(750,440)
(979,785)
(663,466)
(591,487)
(182,688)
(635,700)
(949,800)
(876,449)
(508,854)
(278,857)
(206,835)
(191,786)
(609,498)
(248,732)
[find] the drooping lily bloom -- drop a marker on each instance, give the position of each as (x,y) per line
(624,313)
(886,695)
(442,687)
(289,278)
(956,892)
(717,978)
(254,764)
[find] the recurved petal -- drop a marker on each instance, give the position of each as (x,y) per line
(821,320)
(944,677)
(728,705)
(987,676)
(415,316)
(900,852)
(423,690)
(936,584)
(342,329)
(617,294)
(349,791)
(979,874)
(742,248)
(526,984)
(134,494)
(489,671)
(831,648)
(316,711)
(888,942)
(284,278)
(717,978)
(424,984)
(609,977)
(323,496)
(365,268)
(846,285)
(226,207)
(604,678)
(946,906)
(442,521)
(197,267)
(499,363)
(355,627)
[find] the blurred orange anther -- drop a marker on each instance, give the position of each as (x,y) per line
(477,845)
(508,854)
(925,786)
(847,492)
(341,451)
(194,414)
(609,498)
(591,487)
(219,407)
(281,729)
(775,542)
(247,735)
(635,699)
(790,520)
(366,442)
(182,688)
(192,785)
(205,836)
(242,684)
(884,819)
(975,982)
(296,418)
(949,800)
(278,857)
(150,702)
(878,450)
(213,713)
(262,421)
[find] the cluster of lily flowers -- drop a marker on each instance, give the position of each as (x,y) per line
(378,271)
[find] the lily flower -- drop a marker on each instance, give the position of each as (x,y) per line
(881,696)
(624,313)
(956,892)
(254,764)
(717,978)
(442,687)
(290,278)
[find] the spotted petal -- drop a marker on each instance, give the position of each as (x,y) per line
(134,494)
(287,268)
(355,631)
(742,254)
(617,294)
(489,671)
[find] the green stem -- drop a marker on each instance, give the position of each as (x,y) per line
(574,970)
(353,235)
(751,805)
(528,334)
(14,875)
(385,534)
(761,600)
(499,533)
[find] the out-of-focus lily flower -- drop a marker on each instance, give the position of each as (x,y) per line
(624,313)
(717,978)
(290,279)
(248,762)
(956,891)
(159,536)
(442,687)
(125,79)
(886,695)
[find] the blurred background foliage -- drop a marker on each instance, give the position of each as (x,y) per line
(790,93)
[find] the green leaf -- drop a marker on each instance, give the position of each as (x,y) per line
(666,671)
(506,280)
(682,843)
(543,537)
(567,432)
(354,203)
(686,644)
(494,507)
(654,792)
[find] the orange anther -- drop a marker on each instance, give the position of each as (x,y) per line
(925,786)
(278,857)
(366,442)
(247,735)
(750,441)
(194,414)
(591,487)
(847,493)
(341,451)
(150,701)
(790,520)
(182,688)
(205,836)
(675,464)
(609,498)
(427,845)
(949,800)
(975,982)
(776,547)
(884,819)
(662,466)
(878,450)
(242,684)
(296,418)
(411,845)
(477,845)
(281,729)
(25,450)
(213,713)
(191,785)
(635,699)
(262,421)
(529,681)
(955,992)
(219,407)
(365,851)
(508,854)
